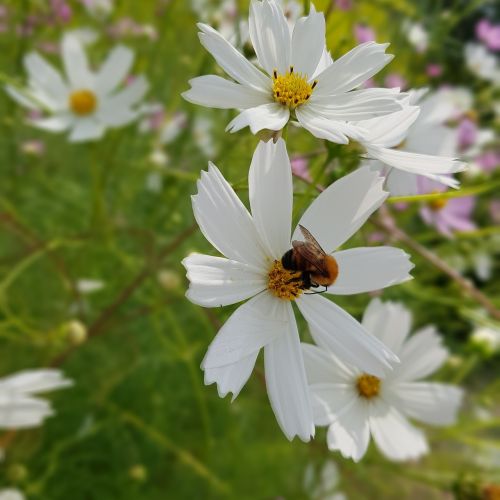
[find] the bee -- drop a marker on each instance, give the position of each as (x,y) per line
(317,267)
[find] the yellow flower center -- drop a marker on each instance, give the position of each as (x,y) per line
(284,284)
(82,102)
(292,89)
(438,204)
(368,386)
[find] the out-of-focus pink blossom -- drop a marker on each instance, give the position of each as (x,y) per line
(363,33)
(128,27)
(395,80)
(344,4)
(377,237)
(34,147)
(300,168)
(61,10)
(495,211)
(447,215)
(369,84)
(400,206)
(489,34)
(489,160)
(434,70)
(466,133)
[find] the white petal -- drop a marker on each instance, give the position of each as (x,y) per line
(394,436)
(76,64)
(400,183)
(308,42)
(20,412)
(339,211)
(421,355)
(329,400)
(369,269)
(270,35)
(271,196)
(388,321)
(323,366)
(216,92)
(352,69)
(390,130)
(44,78)
(432,403)
(252,326)
(87,129)
(416,163)
(116,116)
(231,378)
(30,382)
(216,281)
(271,116)
(127,97)
(322,127)
(231,61)
(350,433)
(286,381)
(357,105)
(56,123)
(22,98)
(225,222)
(114,70)
(334,329)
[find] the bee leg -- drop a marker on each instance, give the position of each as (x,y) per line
(315,285)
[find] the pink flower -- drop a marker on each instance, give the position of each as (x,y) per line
(489,34)
(495,211)
(434,70)
(363,33)
(395,80)
(489,160)
(344,4)
(300,168)
(466,133)
(446,214)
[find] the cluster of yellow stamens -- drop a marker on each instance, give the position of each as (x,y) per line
(292,89)
(284,284)
(438,203)
(82,102)
(368,386)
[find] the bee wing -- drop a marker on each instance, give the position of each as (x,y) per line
(311,240)
(312,254)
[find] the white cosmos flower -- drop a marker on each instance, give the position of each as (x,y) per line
(253,245)
(19,406)
(85,102)
(483,63)
(356,404)
(411,142)
(299,78)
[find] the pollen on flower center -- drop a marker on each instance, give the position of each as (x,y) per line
(368,386)
(292,89)
(82,102)
(284,284)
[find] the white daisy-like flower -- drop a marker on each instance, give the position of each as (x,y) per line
(85,102)
(19,406)
(482,63)
(299,78)
(411,142)
(356,404)
(253,246)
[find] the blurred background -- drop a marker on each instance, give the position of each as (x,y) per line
(92,236)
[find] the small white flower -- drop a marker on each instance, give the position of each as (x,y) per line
(11,494)
(487,337)
(299,79)
(417,36)
(98,8)
(356,404)
(87,102)
(19,408)
(253,246)
(86,286)
(412,142)
(482,63)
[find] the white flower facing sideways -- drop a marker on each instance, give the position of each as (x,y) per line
(299,79)
(85,102)
(413,142)
(356,404)
(19,406)
(253,246)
